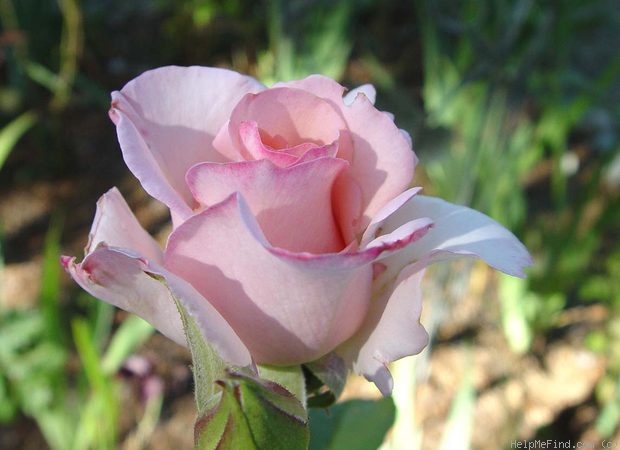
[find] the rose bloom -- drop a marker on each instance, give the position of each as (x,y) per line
(295,230)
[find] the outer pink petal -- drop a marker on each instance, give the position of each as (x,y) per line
(216,331)
(383,161)
(374,227)
(292,205)
(118,279)
(391,331)
(287,307)
(458,231)
(118,276)
(115,225)
(118,253)
(367,89)
(166,120)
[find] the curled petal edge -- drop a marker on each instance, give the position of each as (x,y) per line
(125,279)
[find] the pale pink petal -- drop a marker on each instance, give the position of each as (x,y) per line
(115,225)
(306,151)
(316,152)
(458,232)
(374,227)
(118,279)
(118,276)
(319,85)
(366,89)
(214,328)
(391,331)
(225,146)
(286,118)
(166,120)
(409,232)
(292,205)
(287,307)
(252,142)
(383,161)
(145,166)
(347,204)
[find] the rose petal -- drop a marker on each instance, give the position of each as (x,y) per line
(118,277)
(380,147)
(287,307)
(377,221)
(253,144)
(292,205)
(214,328)
(118,252)
(166,120)
(285,118)
(383,162)
(347,204)
(367,89)
(391,331)
(458,232)
(116,226)
(409,232)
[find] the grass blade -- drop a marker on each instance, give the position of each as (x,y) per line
(13,131)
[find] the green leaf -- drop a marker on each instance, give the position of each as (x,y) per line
(8,408)
(50,282)
(130,335)
(352,425)
(18,330)
(13,131)
(103,401)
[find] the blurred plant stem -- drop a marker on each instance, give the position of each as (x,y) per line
(406,433)
(70,50)
(10,24)
(457,433)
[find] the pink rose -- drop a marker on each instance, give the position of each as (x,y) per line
(295,232)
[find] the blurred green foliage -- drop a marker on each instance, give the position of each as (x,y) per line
(513,106)
(74,409)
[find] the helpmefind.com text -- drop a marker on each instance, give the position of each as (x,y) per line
(556,444)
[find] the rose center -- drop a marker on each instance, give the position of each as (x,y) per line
(276,142)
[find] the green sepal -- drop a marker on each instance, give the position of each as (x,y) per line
(224,425)
(208,366)
(253,414)
(277,419)
(289,377)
